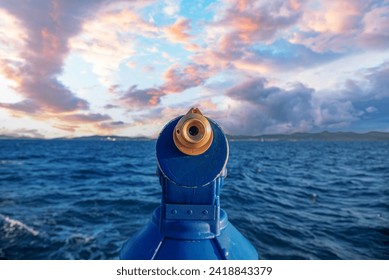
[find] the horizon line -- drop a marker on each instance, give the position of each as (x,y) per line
(5,136)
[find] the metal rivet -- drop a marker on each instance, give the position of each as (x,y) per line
(190,212)
(174,211)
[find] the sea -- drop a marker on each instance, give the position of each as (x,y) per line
(69,199)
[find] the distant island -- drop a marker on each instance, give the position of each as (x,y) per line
(82,138)
(320,136)
(299,136)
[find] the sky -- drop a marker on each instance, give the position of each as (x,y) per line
(71,68)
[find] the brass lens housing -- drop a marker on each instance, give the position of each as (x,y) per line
(193,133)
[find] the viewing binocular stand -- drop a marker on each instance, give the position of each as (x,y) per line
(192,154)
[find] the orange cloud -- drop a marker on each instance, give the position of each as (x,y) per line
(207,105)
(179,31)
(9,72)
(13,40)
(192,47)
(251,66)
(334,16)
(245,24)
(242,4)
(295,4)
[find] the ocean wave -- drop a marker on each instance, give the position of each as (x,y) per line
(11,162)
(291,200)
(19,225)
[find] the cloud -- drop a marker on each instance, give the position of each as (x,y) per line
(34,45)
(111,106)
(376,33)
(110,37)
(243,23)
(267,36)
(113,126)
(332,25)
(256,107)
(86,118)
(66,127)
(179,31)
(177,79)
(140,98)
(373,84)
(22,132)
(90,123)
(13,39)
(335,113)
(172,7)
(148,68)
(282,55)
(52,96)
(335,16)
(42,49)
(370,95)
(371,109)
(378,80)
(259,109)
(25,106)
(156,117)
(252,52)
(239,28)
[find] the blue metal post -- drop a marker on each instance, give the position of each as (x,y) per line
(189,223)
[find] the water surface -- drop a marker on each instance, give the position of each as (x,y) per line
(292,200)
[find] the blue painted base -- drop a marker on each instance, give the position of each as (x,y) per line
(150,244)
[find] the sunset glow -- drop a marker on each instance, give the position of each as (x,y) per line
(72,68)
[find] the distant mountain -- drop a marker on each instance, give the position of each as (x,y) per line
(84,138)
(320,136)
(10,137)
(299,136)
(106,138)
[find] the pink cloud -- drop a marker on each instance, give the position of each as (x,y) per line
(251,21)
(32,58)
(25,106)
(335,16)
(179,31)
(140,98)
(41,59)
(177,79)
(239,26)
(85,118)
(376,31)
(333,25)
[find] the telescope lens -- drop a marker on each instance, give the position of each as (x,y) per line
(193,133)
(193,130)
